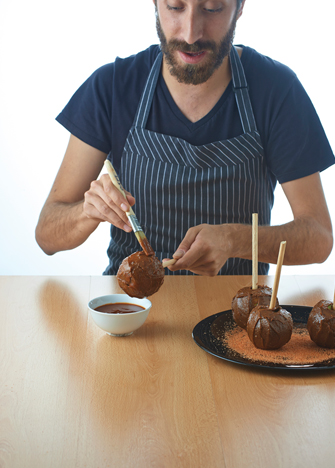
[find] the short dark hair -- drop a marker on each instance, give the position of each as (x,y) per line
(237,1)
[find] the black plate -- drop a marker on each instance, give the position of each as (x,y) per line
(223,321)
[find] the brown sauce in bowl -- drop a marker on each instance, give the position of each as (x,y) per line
(119,308)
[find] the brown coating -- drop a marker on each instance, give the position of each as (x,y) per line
(321,324)
(148,250)
(246,299)
(269,328)
(140,275)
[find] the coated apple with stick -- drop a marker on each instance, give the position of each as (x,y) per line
(270,327)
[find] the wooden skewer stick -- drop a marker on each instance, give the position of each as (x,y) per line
(254,250)
(141,237)
(166,263)
(334,301)
(277,276)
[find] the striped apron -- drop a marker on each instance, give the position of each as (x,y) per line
(177,185)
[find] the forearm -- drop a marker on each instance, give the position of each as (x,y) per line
(63,226)
(206,248)
(307,242)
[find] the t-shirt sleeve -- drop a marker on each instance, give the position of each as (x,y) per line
(88,113)
(297,145)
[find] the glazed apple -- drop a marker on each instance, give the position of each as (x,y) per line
(247,299)
(269,328)
(321,324)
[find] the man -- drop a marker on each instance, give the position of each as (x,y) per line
(199,134)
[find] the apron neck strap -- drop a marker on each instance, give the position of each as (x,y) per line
(240,88)
(144,106)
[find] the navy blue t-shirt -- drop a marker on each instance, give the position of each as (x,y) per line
(102,111)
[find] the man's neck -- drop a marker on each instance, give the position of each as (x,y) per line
(195,101)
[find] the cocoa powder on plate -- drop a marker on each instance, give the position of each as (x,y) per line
(298,351)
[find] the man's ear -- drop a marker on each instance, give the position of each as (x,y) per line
(240,10)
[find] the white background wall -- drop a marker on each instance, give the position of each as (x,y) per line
(47,49)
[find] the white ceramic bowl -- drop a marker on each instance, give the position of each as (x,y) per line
(119,324)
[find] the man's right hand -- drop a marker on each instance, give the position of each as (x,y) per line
(104,202)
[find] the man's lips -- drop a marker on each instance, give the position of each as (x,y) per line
(192,57)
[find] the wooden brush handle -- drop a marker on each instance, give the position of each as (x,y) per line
(140,236)
(116,181)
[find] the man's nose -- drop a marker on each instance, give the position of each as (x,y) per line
(193,27)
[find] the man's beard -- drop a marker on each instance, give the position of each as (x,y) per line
(195,74)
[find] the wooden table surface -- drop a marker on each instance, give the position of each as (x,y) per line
(73,396)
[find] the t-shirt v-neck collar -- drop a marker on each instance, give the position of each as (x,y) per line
(192,126)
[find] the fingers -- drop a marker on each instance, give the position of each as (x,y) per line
(187,242)
(104,202)
(189,252)
(204,265)
(201,251)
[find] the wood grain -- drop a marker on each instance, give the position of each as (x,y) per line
(73,396)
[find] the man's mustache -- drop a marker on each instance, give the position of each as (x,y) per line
(199,46)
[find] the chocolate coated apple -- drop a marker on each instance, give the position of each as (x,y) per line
(247,299)
(321,324)
(140,275)
(269,328)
